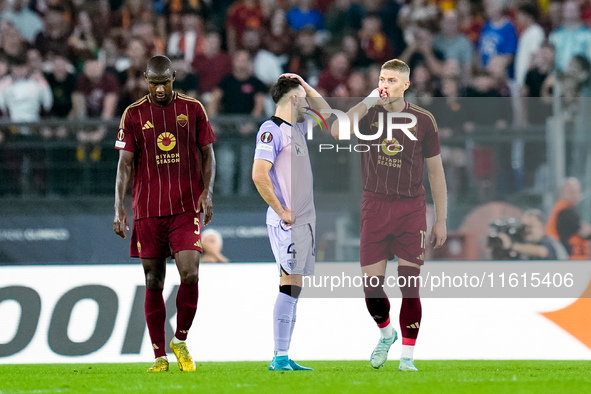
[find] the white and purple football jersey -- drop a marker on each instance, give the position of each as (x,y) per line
(285,146)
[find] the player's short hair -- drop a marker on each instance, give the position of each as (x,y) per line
(397,65)
(158,65)
(283,86)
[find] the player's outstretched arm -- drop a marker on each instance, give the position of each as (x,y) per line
(439,190)
(124,166)
(376,97)
(264,185)
(205,202)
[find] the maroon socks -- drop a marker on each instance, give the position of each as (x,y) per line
(186,306)
(155,318)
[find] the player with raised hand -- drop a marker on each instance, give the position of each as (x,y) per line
(393,214)
(166,139)
(282,174)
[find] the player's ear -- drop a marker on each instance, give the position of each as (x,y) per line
(145,77)
(173,75)
(406,85)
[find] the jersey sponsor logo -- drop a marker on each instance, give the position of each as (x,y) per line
(166,141)
(391,147)
(266,137)
(389,162)
(168,158)
(182,120)
(120,135)
(147,125)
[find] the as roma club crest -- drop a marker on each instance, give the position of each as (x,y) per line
(182,120)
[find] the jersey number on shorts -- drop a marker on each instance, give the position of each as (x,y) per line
(423,239)
(291,250)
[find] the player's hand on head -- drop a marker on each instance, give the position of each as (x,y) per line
(205,204)
(295,76)
(438,234)
(120,224)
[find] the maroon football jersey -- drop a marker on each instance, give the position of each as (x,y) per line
(165,142)
(386,169)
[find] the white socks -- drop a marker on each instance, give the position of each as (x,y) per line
(407,351)
(387,331)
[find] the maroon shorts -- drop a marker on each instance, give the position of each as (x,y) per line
(163,236)
(392,226)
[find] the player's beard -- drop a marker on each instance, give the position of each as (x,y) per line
(300,117)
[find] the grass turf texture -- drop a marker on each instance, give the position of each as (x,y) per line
(329,376)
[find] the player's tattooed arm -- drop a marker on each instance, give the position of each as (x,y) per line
(264,185)
(124,167)
(205,202)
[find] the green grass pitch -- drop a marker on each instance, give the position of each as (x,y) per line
(470,376)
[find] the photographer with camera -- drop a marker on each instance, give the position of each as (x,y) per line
(536,245)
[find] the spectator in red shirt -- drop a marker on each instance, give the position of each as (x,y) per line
(95,97)
(335,77)
(277,37)
(188,42)
(54,38)
(212,65)
(242,15)
(357,57)
(373,40)
(306,59)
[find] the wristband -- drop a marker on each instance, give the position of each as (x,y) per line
(372,99)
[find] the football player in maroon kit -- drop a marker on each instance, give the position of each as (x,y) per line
(165,138)
(393,214)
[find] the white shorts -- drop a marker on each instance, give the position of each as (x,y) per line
(294,248)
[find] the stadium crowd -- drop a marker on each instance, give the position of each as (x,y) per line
(79,59)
